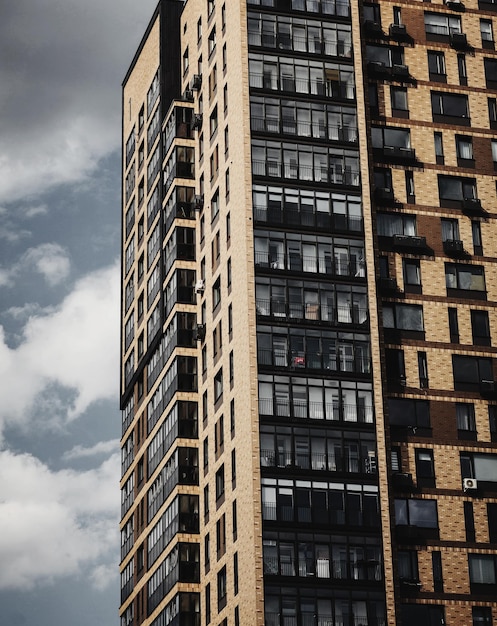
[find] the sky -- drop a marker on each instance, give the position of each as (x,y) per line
(62,63)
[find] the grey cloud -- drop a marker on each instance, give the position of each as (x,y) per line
(62,65)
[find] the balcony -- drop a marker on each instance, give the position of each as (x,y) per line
(307,217)
(290,126)
(320,462)
(312,312)
(472,206)
(310,360)
(409,243)
(454,247)
(379,70)
(353,268)
(334,175)
(373,29)
(402,481)
(387,284)
(459,41)
(384,196)
(395,154)
(398,31)
(301,409)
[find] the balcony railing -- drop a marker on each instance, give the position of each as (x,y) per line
(312,312)
(283,407)
(345,134)
(306,216)
(335,175)
(297,43)
(311,619)
(294,263)
(328,89)
(316,461)
(309,360)
(322,568)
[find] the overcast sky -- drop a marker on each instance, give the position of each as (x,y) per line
(61,67)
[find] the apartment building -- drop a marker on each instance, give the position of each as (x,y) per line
(309,288)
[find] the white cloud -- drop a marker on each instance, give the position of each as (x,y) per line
(102,447)
(56,524)
(60,96)
(73,349)
(48,259)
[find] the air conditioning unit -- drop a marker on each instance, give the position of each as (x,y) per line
(197,121)
(188,95)
(371,465)
(200,333)
(469,484)
(198,202)
(196,81)
(200,286)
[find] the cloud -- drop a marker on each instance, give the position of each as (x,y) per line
(61,95)
(102,447)
(67,357)
(49,259)
(50,527)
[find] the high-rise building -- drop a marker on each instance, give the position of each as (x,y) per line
(309,293)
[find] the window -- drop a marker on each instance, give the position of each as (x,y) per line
(211,4)
(232,369)
(480,328)
(407,562)
(492,112)
(438,25)
(465,417)
(425,468)
(464,150)
(216,293)
(385,137)
(213,121)
(490,66)
(199,29)
(235,572)
(233,467)
(452,191)
(492,419)
(416,614)
(414,512)
(450,108)
(476,236)
(213,81)
(470,371)
(469,520)
(234,519)
(220,483)
(423,370)
(469,278)
(410,413)
(439,147)
(412,275)
(450,229)
(492,522)
(208,603)
(218,385)
(390,224)
(221,589)
(221,536)
(225,58)
(211,46)
(186,62)
(461,69)
(453,325)
(410,194)
(493,146)
(206,502)
(483,467)
(403,316)
(436,565)
(482,569)
(205,446)
(395,367)
(214,162)
(398,98)
(436,66)
(482,616)
(207,551)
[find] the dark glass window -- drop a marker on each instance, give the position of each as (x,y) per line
(436,66)
(482,616)
(450,105)
(471,371)
(469,521)
(425,467)
(490,66)
(406,412)
(407,561)
(480,328)
(436,564)
(492,522)
(415,512)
